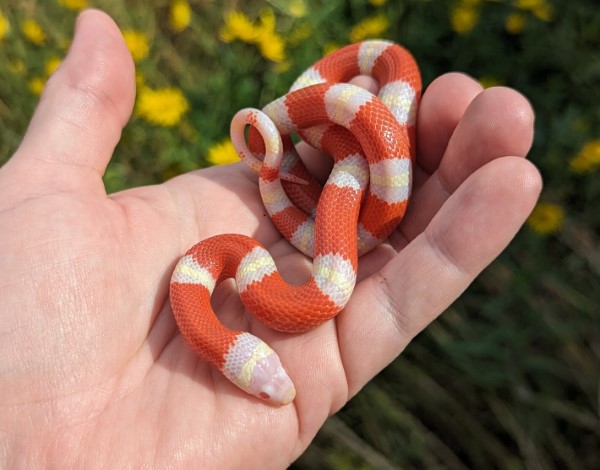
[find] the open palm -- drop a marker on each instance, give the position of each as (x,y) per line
(92,368)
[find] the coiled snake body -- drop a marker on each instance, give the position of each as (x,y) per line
(372,142)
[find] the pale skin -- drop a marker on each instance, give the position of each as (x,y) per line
(93,372)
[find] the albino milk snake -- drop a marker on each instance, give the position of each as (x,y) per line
(372,142)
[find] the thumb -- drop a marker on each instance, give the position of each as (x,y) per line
(80,116)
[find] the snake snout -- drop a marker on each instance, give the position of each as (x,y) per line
(271,383)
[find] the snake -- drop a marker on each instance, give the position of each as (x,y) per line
(371,140)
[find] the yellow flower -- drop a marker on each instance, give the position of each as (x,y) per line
(222,153)
(528,4)
(297,8)
(371,27)
(51,65)
(162,106)
(377,3)
(588,158)
(544,12)
(237,26)
(75,5)
(36,85)
(270,43)
(33,32)
(515,23)
(463,17)
(546,218)
(271,46)
(137,43)
(179,15)
(540,8)
(4,26)
(267,20)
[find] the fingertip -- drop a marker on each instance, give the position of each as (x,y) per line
(442,106)
(82,111)
(528,180)
(498,122)
(99,61)
(514,115)
(486,212)
(456,81)
(367,82)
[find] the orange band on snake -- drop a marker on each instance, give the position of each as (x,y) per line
(372,142)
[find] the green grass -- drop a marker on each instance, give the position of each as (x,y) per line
(509,377)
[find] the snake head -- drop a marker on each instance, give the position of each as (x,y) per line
(271,383)
(254,367)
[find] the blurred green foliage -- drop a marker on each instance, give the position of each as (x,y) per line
(509,377)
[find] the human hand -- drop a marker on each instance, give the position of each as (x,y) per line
(92,369)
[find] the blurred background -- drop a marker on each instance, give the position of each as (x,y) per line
(509,376)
